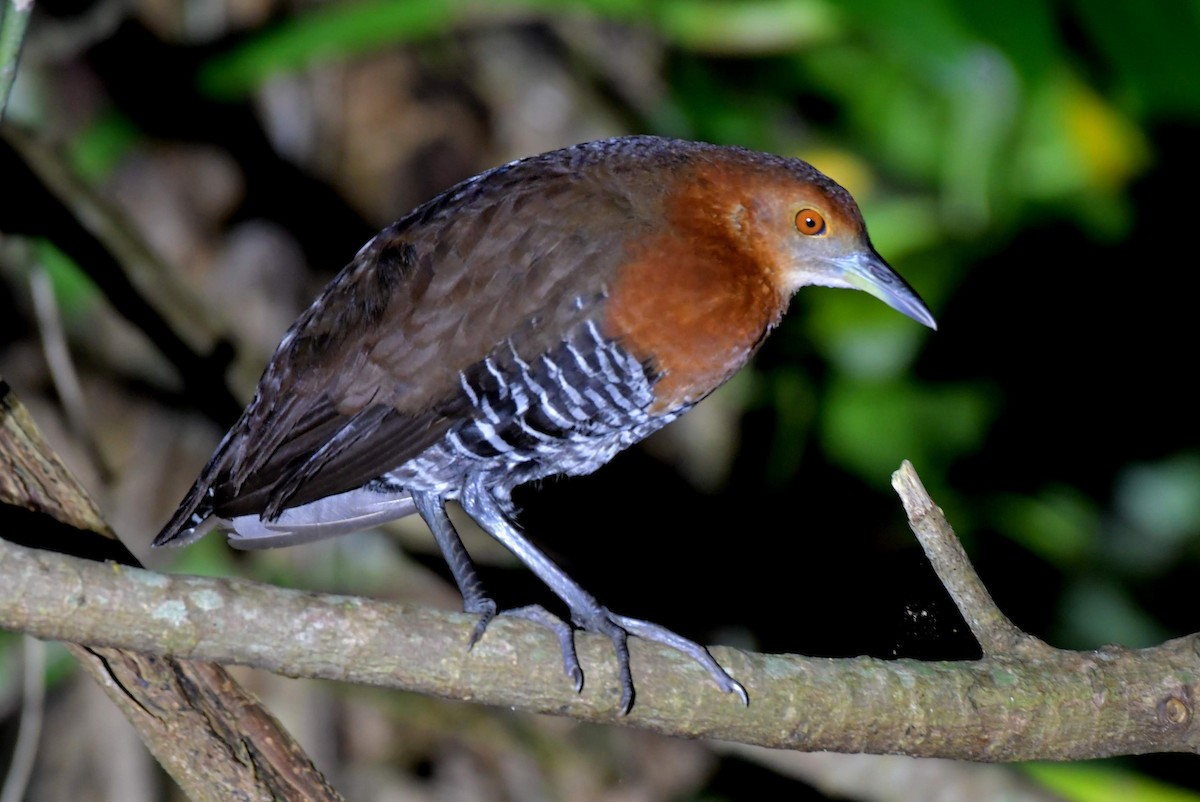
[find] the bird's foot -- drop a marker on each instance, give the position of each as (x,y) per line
(618,628)
(485,608)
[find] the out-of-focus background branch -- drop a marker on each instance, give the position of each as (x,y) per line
(216,740)
(1021,164)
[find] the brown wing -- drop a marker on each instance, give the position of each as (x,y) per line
(369,376)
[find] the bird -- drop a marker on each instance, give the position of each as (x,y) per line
(531,321)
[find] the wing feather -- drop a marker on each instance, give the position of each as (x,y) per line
(369,375)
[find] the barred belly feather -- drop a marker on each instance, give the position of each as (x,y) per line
(568,411)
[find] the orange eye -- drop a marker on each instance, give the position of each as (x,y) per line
(810,222)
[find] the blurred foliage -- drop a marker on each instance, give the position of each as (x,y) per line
(972,134)
(1096,782)
(14,17)
(99,148)
(356,28)
(73,289)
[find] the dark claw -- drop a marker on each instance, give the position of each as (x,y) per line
(485,608)
(566,638)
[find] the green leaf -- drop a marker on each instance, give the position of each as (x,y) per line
(1162,499)
(1097,611)
(759,26)
(345,29)
(871,426)
(337,29)
(96,150)
(73,289)
(1061,525)
(1102,782)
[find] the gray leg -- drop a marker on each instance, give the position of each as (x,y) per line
(433,510)
(586,612)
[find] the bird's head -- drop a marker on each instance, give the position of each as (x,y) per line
(810,230)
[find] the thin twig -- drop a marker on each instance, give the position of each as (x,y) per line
(997,635)
(62,367)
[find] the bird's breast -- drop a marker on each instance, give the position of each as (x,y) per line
(696,308)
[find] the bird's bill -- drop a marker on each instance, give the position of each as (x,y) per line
(869,273)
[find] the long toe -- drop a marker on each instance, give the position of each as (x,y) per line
(658,634)
(620,641)
(566,637)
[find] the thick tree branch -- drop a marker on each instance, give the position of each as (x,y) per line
(1020,702)
(1061,705)
(215,739)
